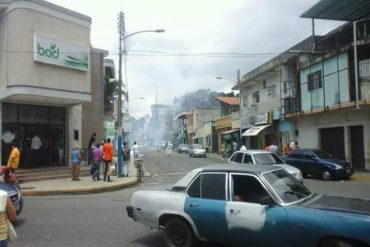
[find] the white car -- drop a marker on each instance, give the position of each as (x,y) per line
(262,157)
(197,150)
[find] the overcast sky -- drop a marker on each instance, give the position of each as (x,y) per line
(195,31)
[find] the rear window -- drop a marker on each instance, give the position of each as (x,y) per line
(238,157)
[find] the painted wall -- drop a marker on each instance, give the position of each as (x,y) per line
(335,83)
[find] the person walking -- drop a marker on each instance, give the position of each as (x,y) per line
(108,157)
(7,212)
(126,158)
(90,148)
(14,157)
(273,147)
(76,160)
(97,158)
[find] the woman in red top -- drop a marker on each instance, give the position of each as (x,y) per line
(107,157)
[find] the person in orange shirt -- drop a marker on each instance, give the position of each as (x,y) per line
(107,157)
(14,156)
(286,149)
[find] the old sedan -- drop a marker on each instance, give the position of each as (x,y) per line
(262,157)
(250,206)
(197,150)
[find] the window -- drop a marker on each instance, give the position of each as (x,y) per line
(314,80)
(256,97)
(248,159)
(238,157)
(249,189)
(271,91)
(194,189)
(213,186)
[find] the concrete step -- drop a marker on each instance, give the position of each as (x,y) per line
(50,173)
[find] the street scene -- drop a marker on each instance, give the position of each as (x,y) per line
(185,123)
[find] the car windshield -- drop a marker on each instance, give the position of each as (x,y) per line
(286,187)
(197,146)
(267,158)
(322,155)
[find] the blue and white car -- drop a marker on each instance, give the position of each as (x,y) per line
(251,206)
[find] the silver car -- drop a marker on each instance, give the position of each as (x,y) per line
(262,157)
(197,150)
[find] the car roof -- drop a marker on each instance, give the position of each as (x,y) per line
(222,167)
(253,151)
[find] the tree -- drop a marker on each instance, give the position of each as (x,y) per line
(110,90)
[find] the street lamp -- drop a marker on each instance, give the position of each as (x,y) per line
(122,38)
(240,99)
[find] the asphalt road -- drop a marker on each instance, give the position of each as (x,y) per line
(101,219)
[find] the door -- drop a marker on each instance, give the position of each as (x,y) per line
(206,203)
(332,141)
(357,147)
(253,218)
(309,163)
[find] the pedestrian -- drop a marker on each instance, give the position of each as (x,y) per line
(60,148)
(108,157)
(14,157)
(126,157)
(7,212)
(296,145)
(135,149)
(235,146)
(90,148)
(267,148)
(97,158)
(76,161)
(242,147)
(286,149)
(273,147)
(291,145)
(35,150)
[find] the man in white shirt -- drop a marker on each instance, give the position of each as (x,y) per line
(243,147)
(273,147)
(35,150)
(291,145)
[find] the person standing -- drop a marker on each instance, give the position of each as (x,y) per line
(7,211)
(243,147)
(60,148)
(291,145)
(90,148)
(14,157)
(35,150)
(126,158)
(273,147)
(108,157)
(286,149)
(76,161)
(97,158)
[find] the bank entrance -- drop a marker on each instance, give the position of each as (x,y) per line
(24,122)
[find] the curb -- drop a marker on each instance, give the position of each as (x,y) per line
(79,191)
(360,177)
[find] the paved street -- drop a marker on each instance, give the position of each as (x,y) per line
(101,220)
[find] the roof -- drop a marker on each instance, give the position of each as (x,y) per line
(255,169)
(340,10)
(229,100)
(254,151)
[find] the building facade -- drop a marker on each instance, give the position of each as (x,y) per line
(44,78)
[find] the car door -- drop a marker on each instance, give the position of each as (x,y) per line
(205,204)
(295,158)
(253,218)
(310,163)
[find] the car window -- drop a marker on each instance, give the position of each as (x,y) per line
(197,146)
(247,159)
(249,189)
(238,157)
(323,155)
(194,188)
(296,154)
(267,158)
(213,186)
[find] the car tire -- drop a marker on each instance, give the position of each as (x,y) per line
(326,175)
(205,156)
(178,233)
(332,242)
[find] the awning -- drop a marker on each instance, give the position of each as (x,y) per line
(229,131)
(255,130)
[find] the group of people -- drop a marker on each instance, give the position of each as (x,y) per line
(287,148)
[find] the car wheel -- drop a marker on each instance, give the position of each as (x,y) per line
(205,156)
(325,174)
(178,233)
(338,243)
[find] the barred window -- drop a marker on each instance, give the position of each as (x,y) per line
(314,80)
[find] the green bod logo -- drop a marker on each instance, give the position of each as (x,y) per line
(53,51)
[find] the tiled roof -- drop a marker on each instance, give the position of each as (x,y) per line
(230,100)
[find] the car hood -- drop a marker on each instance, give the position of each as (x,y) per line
(338,162)
(339,203)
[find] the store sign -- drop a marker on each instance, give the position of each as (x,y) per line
(261,119)
(110,131)
(52,51)
(127,124)
(7,137)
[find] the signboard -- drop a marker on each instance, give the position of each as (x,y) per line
(52,51)
(110,131)
(261,119)
(127,124)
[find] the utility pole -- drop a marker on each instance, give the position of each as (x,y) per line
(240,105)
(121,32)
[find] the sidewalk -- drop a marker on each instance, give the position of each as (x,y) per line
(66,186)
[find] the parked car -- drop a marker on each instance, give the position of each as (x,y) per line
(262,157)
(183,148)
(14,194)
(250,206)
(317,163)
(197,150)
